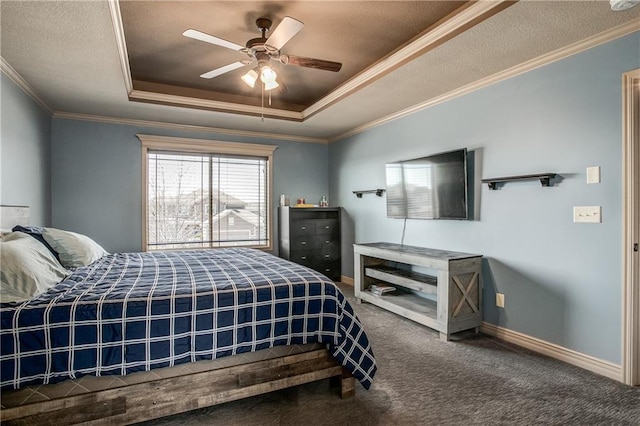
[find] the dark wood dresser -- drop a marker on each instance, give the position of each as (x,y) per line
(310,236)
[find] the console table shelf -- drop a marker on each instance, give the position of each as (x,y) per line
(409,279)
(409,305)
(448,301)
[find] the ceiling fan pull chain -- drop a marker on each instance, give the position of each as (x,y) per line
(269,98)
(262,109)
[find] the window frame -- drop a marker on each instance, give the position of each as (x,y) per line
(206,146)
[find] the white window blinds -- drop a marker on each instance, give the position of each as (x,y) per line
(199,200)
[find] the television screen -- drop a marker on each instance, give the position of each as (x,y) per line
(433,187)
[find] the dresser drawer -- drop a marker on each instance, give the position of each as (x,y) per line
(326,244)
(328,255)
(330,269)
(304,242)
(322,243)
(303,257)
(327,226)
(303,227)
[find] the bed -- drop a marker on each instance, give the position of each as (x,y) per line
(175,331)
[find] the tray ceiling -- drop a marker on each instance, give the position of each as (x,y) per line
(128,60)
(357,35)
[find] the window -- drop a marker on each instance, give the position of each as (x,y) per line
(204,194)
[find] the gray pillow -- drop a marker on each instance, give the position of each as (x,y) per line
(74,249)
(28,268)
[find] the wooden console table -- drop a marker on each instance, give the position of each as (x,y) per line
(446,296)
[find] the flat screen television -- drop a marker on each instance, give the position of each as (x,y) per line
(432,187)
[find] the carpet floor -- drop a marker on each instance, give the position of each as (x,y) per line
(477,380)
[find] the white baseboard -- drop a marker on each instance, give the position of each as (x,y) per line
(552,350)
(595,365)
(346,280)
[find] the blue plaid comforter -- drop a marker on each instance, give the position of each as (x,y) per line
(131,312)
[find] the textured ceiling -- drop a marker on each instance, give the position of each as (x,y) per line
(67,52)
(159,53)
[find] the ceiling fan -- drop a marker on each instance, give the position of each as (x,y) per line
(262,50)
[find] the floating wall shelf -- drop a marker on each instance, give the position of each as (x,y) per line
(545,179)
(378,192)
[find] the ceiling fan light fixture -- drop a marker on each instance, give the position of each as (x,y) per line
(620,5)
(270,85)
(267,74)
(250,78)
(262,49)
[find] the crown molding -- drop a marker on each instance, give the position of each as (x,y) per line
(10,72)
(186,101)
(186,127)
(458,21)
(22,84)
(572,49)
(182,101)
(118,29)
(559,54)
(468,15)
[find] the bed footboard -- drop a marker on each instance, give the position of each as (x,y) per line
(167,396)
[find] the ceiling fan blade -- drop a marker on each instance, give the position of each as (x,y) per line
(222,70)
(283,33)
(199,35)
(319,64)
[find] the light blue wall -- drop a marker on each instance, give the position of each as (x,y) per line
(562,280)
(25,153)
(97,177)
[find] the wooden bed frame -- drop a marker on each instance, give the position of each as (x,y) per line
(161,397)
(167,396)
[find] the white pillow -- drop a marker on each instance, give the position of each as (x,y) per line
(28,268)
(73,249)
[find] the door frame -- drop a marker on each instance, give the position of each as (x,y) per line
(631,228)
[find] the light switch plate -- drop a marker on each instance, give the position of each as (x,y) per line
(587,214)
(593,174)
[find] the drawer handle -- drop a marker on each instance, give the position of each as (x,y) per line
(303,243)
(303,257)
(303,227)
(327,227)
(327,256)
(327,241)
(327,270)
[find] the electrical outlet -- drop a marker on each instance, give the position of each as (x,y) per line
(500,300)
